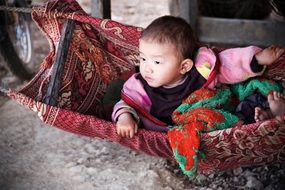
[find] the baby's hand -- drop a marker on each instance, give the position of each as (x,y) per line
(269,55)
(126,125)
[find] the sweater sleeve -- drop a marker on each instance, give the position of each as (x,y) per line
(135,91)
(120,108)
(238,64)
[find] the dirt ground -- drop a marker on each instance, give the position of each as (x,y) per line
(35,156)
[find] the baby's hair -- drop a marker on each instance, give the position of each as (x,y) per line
(174,30)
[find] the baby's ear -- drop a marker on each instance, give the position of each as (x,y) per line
(186,65)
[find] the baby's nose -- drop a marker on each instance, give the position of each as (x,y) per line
(148,68)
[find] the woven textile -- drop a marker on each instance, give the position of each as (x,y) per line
(207,110)
(102,51)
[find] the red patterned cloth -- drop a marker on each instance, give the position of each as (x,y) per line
(104,50)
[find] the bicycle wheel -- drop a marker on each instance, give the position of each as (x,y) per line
(16,43)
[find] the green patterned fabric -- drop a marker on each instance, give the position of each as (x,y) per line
(207,110)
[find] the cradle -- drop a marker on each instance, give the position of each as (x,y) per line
(102,51)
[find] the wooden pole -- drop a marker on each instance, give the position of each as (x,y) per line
(58,66)
(101,8)
(187,9)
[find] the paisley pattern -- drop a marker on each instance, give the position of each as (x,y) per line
(97,56)
(93,60)
(244,145)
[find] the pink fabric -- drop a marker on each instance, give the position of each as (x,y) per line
(237,60)
(138,105)
(135,90)
(234,63)
(138,94)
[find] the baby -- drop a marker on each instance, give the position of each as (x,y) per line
(172,66)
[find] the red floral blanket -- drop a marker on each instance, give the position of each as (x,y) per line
(104,50)
(207,110)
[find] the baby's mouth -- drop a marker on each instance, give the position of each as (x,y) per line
(148,79)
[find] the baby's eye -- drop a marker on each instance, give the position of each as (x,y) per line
(142,59)
(157,62)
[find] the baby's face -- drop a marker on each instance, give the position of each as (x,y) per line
(159,64)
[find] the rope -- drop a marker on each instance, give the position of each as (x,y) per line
(16,9)
(3,90)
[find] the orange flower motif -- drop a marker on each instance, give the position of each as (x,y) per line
(198,95)
(186,141)
(206,115)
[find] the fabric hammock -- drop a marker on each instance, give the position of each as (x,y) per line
(104,50)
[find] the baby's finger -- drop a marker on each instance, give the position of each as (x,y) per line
(122,132)
(125,133)
(128,133)
(118,131)
(136,128)
(131,133)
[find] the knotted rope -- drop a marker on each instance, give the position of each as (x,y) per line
(16,9)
